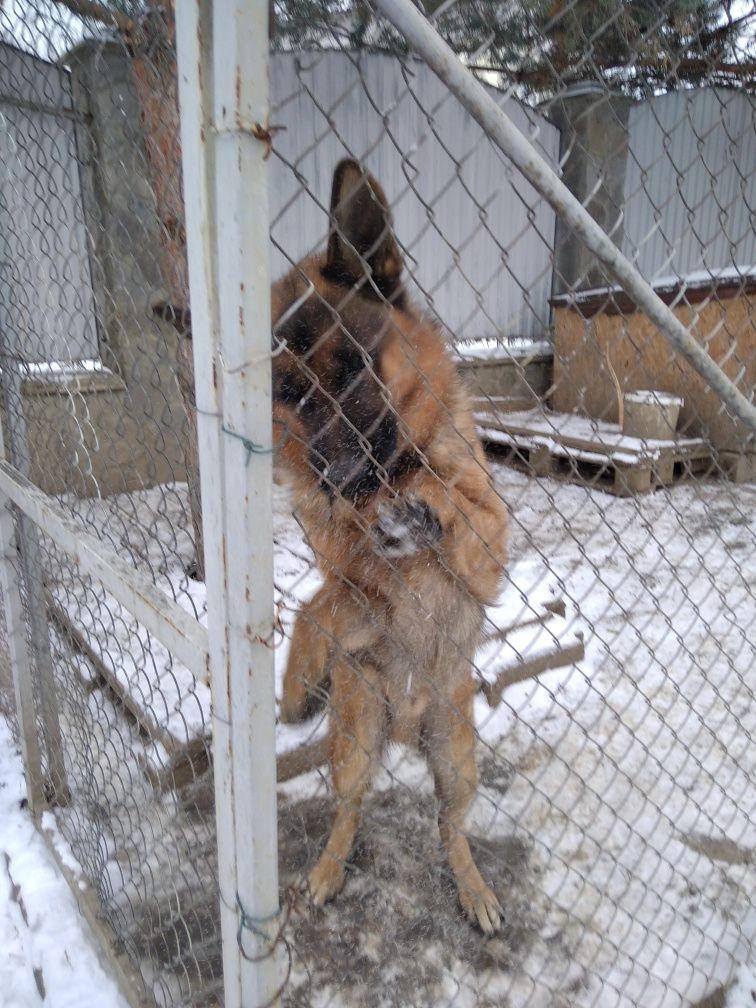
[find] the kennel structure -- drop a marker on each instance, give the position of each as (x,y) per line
(158,168)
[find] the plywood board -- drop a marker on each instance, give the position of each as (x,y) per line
(642,358)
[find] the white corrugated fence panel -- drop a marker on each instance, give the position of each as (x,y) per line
(462,213)
(690,188)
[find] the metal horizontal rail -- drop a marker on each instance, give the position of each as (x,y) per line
(445,64)
(183,635)
(57,111)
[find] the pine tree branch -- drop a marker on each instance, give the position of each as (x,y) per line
(96,12)
(726,29)
(545,76)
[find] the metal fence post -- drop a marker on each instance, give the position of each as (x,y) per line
(19,652)
(223,92)
(30,569)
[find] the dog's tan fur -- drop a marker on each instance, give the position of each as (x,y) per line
(405,525)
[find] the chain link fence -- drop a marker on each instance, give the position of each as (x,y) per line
(510,553)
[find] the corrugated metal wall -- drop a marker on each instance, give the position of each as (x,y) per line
(44,257)
(478,241)
(690,186)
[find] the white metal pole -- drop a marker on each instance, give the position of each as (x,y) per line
(426,41)
(19,652)
(223,91)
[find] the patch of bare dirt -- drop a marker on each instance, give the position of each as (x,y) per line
(395,935)
(720,849)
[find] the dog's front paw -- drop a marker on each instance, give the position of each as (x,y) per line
(405,527)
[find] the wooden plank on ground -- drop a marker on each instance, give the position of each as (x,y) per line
(527,649)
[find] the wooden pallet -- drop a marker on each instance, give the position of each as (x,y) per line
(593,453)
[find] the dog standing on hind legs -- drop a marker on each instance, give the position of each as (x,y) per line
(375,433)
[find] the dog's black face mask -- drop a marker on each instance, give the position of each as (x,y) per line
(329,373)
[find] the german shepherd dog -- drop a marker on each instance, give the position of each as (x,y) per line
(390,484)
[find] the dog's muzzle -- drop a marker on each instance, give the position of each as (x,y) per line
(355,470)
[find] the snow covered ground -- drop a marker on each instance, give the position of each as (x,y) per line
(616,813)
(48,955)
(642,809)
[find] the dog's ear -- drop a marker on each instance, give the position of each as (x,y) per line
(361,235)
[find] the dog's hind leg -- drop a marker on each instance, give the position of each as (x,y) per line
(357,732)
(449,738)
(307,667)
